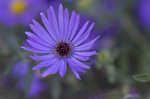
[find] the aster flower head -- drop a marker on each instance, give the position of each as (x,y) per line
(19,11)
(62,42)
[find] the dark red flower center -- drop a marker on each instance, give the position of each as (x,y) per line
(63,49)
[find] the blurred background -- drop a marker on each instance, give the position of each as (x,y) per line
(120,71)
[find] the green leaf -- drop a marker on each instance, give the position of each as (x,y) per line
(142,77)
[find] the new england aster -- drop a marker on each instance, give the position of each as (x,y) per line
(62,42)
(19,11)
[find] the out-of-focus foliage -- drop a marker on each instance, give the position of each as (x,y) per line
(121,65)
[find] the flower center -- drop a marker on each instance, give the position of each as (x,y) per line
(18,6)
(63,49)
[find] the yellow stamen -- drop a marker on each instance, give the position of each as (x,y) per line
(18,6)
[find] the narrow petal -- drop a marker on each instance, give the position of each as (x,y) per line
(75,28)
(45,63)
(77,66)
(37,46)
(34,50)
(66,24)
(82,30)
(63,68)
(48,27)
(87,46)
(61,20)
(35,38)
(53,20)
(82,58)
(43,57)
(71,24)
(74,70)
(85,36)
(51,70)
(78,63)
(38,32)
(90,53)
(79,69)
(76,74)
(43,32)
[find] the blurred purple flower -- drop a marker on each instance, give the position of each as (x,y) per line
(37,86)
(108,35)
(109,4)
(63,42)
(144,12)
(132,95)
(19,11)
(20,73)
(20,69)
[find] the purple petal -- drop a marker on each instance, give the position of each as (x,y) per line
(90,53)
(80,64)
(75,69)
(82,30)
(75,26)
(82,58)
(85,36)
(61,20)
(43,57)
(71,24)
(51,70)
(48,26)
(87,46)
(45,63)
(34,38)
(37,46)
(66,23)
(42,31)
(34,50)
(36,30)
(79,69)
(63,68)
(76,66)
(53,19)
(76,74)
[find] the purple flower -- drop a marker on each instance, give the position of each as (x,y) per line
(20,73)
(19,11)
(108,36)
(132,95)
(144,12)
(24,65)
(62,43)
(37,86)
